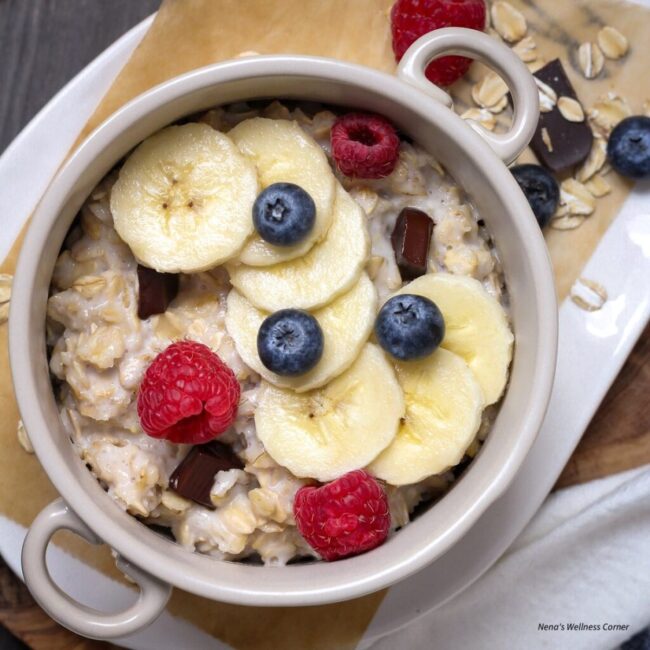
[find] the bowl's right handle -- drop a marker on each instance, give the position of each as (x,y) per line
(475,44)
(77,617)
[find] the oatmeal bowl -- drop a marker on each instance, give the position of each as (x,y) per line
(283,329)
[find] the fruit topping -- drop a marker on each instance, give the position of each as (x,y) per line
(411,239)
(283,153)
(194,477)
(328,270)
(345,517)
(541,190)
(444,404)
(411,19)
(183,199)
(559,143)
(290,342)
(346,323)
(155,291)
(188,395)
(409,327)
(335,429)
(476,327)
(364,145)
(284,214)
(628,148)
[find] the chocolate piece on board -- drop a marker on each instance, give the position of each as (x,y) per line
(558,143)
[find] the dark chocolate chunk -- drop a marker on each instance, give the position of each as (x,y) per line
(194,477)
(410,239)
(155,291)
(570,141)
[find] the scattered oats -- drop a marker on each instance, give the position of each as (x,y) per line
(606,169)
(23,438)
(591,60)
(536,65)
(598,186)
(494,34)
(546,139)
(508,21)
(374,264)
(5,287)
(612,43)
(595,160)
(547,96)
(567,222)
(490,91)
(481,116)
(571,109)
(562,210)
(577,197)
(608,111)
(526,49)
(588,295)
(499,106)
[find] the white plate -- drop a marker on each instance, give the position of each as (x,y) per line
(592,348)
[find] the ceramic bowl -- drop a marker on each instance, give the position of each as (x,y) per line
(475,158)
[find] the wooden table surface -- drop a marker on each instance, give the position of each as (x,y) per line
(44,43)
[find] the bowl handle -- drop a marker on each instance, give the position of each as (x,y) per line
(77,617)
(469,42)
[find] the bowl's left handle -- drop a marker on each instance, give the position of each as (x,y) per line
(477,45)
(79,618)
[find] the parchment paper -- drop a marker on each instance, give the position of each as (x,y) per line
(187,34)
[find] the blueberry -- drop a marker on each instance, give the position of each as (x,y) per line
(284,214)
(290,342)
(541,190)
(409,327)
(628,148)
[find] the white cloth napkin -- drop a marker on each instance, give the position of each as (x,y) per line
(585,558)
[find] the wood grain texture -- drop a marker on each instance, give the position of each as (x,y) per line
(28,622)
(44,43)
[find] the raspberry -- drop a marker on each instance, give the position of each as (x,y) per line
(187,395)
(411,19)
(364,145)
(345,517)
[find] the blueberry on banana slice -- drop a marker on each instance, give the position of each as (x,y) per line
(409,327)
(290,342)
(284,214)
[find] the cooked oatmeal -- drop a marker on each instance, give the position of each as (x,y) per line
(100,350)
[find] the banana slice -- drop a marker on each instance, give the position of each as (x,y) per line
(184,198)
(328,270)
(476,327)
(346,323)
(338,428)
(283,152)
(444,404)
